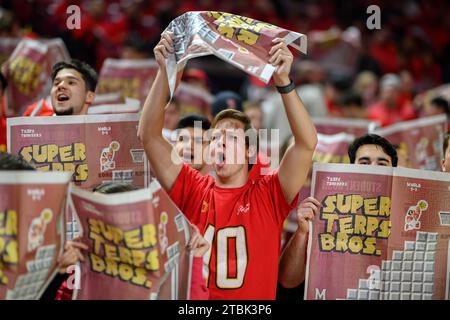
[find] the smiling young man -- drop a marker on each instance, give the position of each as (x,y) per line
(241,218)
(370,149)
(72,92)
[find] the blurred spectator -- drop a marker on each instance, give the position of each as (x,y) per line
(366,85)
(135,48)
(391,107)
(336,85)
(254,112)
(171,115)
(196,77)
(226,100)
(351,106)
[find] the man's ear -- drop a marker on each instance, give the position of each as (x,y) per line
(90,97)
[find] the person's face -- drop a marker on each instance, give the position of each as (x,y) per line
(430,109)
(446,160)
(372,154)
(389,94)
(69,93)
(255,116)
(191,146)
(171,117)
(227,148)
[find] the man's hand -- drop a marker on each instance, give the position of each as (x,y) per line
(72,254)
(197,243)
(281,57)
(307,210)
(163,48)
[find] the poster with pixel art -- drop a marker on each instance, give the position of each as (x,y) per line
(96,148)
(137,245)
(382,234)
(31,231)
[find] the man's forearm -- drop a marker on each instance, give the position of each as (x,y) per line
(302,127)
(293,261)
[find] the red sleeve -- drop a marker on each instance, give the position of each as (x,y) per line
(188,192)
(199,291)
(280,205)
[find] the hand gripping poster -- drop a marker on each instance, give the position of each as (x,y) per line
(240,41)
(137,246)
(95,148)
(381,234)
(419,141)
(31,231)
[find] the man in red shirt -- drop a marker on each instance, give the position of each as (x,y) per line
(241,218)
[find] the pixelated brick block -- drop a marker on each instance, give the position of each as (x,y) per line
(410,245)
(432,237)
(419,256)
(395,275)
(429,256)
(396,265)
(429,267)
(420,246)
(385,275)
(407,266)
(352,294)
(427,296)
(417,287)
(363,294)
(421,236)
(395,286)
(394,296)
(417,277)
(386,265)
(418,266)
(428,288)
(416,296)
(397,255)
(408,255)
(406,286)
(363,284)
(406,276)
(431,246)
(374,295)
(405,296)
(428,277)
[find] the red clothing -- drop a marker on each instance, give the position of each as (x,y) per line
(248,220)
(381,113)
(260,168)
(3,126)
(199,291)
(46,110)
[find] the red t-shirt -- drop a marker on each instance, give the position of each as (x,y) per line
(243,226)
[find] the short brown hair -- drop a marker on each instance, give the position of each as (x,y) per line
(245,120)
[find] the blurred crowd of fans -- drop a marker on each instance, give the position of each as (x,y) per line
(350,70)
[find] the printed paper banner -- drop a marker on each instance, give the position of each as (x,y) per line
(7,46)
(137,245)
(31,231)
(329,149)
(421,140)
(29,72)
(96,148)
(193,99)
(130,78)
(241,41)
(331,126)
(382,233)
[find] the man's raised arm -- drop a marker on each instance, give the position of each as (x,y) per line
(296,162)
(165,164)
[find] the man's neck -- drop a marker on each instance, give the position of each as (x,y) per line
(235,181)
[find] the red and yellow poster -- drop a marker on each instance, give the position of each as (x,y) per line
(381,234)
(420,140)
(129,78)
(32,231)
(137,245)
(95,148)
